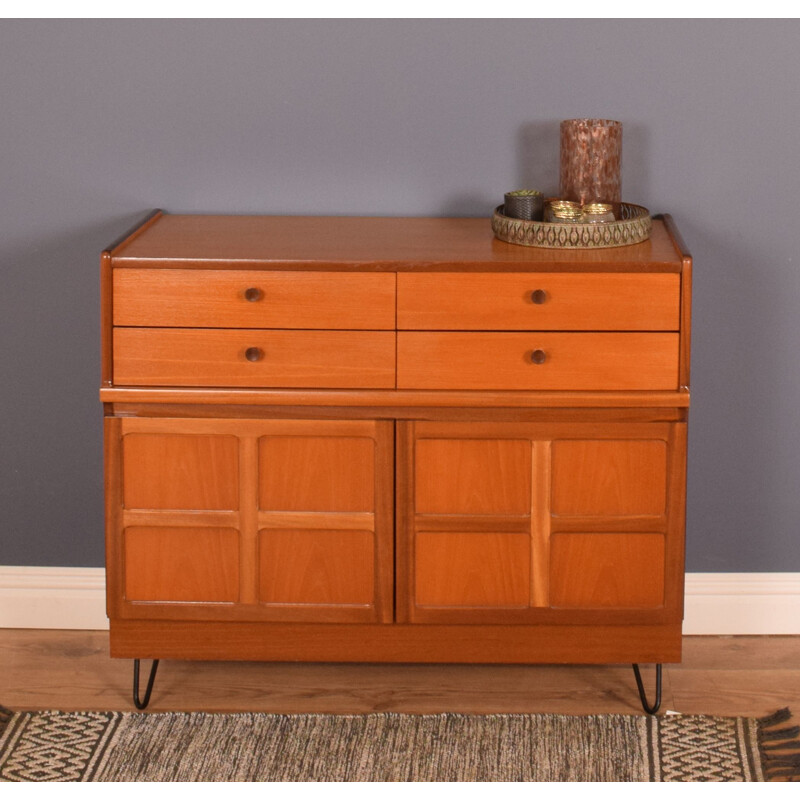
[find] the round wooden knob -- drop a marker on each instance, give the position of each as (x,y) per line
(539,296)
(538,356)
(254,354)
(253,295)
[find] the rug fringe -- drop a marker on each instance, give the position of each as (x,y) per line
(773,744)
(781,715)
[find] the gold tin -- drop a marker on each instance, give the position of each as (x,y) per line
(598,212)
(562,211)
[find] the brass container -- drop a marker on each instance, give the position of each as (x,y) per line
(598,212)
(562,210)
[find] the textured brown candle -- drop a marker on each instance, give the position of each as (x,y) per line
(591,158)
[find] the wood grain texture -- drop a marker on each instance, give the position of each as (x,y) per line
(609,478)
(607,570)
(316,473)
(314,568)
(682,250)
(112,484)
(541,522)
(106,321)
(248,519)
(538,505)
(340,484)
(404,519)
(396,403)
(472,476)
(416,644)
(724,675)
(317,520)
(573,361)
(181,564)
(686,324)
(301,506)
(179,298)
(563,519)
(180,471)
(107,299)
(572,302)
(676,519)
(377,243)
(202,357)
(483,570)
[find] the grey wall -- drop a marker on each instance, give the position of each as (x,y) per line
(102,120)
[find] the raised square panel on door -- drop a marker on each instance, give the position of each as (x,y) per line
(472,476)
(325,521)
(180,471)
(181,564)
(607,570)
(469,543)
(317,567)
(481,570)
(180,542)
(316,473)
(608,530)
(607,477)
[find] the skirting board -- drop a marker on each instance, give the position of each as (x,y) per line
(743,603)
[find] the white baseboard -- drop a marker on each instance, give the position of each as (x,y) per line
(743,603)
(53,597)
(755,603)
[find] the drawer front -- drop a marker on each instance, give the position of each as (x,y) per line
(538,301)
(256,358)
(191,298)
(591,361)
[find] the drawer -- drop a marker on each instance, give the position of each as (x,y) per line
(593,361)
(291,359)
(538,301)
(198,298)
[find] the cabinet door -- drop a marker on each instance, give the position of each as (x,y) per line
(286,520)
(518,522)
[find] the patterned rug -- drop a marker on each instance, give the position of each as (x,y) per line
(114,746)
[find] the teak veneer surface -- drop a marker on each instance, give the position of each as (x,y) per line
(182,298)
(572,361)
(544,301)
(380,243)
(283,358)
(294,481)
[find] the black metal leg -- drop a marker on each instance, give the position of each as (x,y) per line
(650,709)
(153,669)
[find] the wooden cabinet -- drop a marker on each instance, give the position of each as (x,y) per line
(252,519)
(529,522)
(393,440)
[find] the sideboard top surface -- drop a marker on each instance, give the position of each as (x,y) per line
(369,243)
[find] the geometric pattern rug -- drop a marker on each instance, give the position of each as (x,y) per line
(124,746)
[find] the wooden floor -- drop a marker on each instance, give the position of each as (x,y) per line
(724,675)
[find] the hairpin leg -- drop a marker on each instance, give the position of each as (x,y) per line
(153,669)
(650,709)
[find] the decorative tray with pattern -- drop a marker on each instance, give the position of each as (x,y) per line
(632,224)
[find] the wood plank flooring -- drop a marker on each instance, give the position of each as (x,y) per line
(724,675)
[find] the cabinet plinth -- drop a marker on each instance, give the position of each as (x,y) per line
(393,440)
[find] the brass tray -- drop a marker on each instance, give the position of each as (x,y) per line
(631,226)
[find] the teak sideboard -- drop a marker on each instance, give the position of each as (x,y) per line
(378,439)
